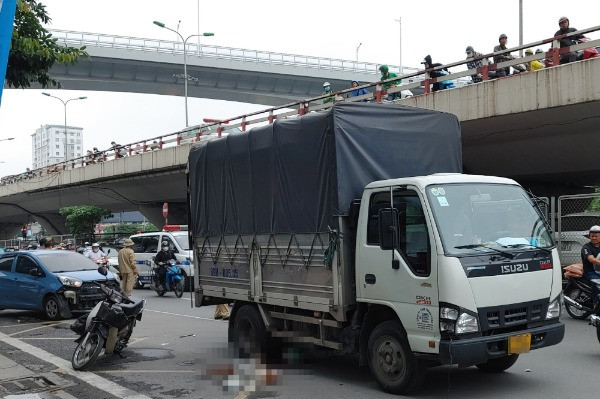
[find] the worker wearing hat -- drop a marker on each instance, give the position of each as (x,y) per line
(564,25)
(127,267)
(589,258)
(327,91)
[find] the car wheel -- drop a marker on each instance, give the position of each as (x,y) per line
(51,307)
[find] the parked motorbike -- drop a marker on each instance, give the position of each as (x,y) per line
(595,314)
(109,325)
(173,280)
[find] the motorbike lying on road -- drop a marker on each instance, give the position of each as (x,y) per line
(109,325)
(173,279)
(579,290)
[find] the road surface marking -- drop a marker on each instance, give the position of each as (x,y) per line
(146,371)
(37,328)
(93,379)
(45,323)
(184,315)
(47,338)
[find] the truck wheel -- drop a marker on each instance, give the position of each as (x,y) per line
(498,365)
(392,363)
(248,331)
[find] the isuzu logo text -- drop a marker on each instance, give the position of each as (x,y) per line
(516,268)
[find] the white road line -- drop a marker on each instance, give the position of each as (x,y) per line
(146,371)
(37,328)
(47,338)
(184,315)
(46,323)
(86,376)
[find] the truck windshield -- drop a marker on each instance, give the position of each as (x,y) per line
(486,218)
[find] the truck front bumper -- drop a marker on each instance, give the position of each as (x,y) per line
(471,351)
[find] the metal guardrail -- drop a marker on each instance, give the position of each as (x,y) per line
(194,134)
(79,39)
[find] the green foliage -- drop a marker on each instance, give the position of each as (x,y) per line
(33,50)
(595,204)
(82,219)
(129,229)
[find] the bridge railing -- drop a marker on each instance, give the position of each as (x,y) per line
(207,131)
(79,39)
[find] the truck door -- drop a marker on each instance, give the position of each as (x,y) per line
(410,285)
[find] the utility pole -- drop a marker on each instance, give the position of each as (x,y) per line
(400,68)
(521,27)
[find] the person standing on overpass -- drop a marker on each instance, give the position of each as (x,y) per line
(563,23)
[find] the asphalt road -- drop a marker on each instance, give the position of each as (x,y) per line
(173,344)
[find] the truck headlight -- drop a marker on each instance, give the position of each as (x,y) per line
(70,281)
(554,309)
(448,318)
(467,323)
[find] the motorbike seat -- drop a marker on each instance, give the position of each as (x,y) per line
(131,309)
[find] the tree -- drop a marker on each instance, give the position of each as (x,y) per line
(33,51)
(123,228)
(82,219)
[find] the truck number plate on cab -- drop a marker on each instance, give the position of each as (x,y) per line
(519,343)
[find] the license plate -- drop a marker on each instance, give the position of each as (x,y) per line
(519,343)
(144,278)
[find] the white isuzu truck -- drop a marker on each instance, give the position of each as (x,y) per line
(353,229)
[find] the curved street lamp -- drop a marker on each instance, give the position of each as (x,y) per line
(65,104)
(9,138)
(185,75)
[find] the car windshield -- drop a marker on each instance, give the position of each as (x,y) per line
(65,261)
(486,218)
(182,240)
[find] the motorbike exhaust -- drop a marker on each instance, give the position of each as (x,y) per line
(573,303)
(595,320)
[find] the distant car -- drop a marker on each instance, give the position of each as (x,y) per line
(572,235)
(53,281)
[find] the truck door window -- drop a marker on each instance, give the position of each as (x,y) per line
(412,227)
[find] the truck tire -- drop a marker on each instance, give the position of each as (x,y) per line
(248,331)
(499,364)
(392,362)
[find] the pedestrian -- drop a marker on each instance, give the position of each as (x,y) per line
(45,243)
(222,312)
(474,63)
(154,145)
(589,258)
(358,92)
(386,74)
(327,91)
(564,25)
(98,157)
(534,65)
(118,149)
(127,267)
(502,39)
(438,73)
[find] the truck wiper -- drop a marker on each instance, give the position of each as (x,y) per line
(548,251)
(475,246)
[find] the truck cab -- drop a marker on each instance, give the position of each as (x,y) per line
(466,263)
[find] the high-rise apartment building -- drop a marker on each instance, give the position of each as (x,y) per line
(48,144)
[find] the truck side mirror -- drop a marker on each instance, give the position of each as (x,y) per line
(388,228)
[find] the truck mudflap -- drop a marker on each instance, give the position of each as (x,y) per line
(472,351)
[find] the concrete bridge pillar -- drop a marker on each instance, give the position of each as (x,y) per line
(153,212)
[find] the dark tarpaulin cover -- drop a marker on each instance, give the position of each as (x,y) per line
(296,174)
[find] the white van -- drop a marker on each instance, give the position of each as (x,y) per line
(147,245)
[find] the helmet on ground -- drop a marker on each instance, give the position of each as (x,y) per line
(562,19)
(384,68)
(326,84)
(502,36)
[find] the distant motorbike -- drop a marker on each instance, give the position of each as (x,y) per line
(173,280)
(109,325)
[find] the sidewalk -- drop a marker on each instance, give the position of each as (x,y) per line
(18,382)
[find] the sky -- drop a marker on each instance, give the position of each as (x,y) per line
(331,28)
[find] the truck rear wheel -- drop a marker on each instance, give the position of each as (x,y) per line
(248,331)
(498,365)
(392,363)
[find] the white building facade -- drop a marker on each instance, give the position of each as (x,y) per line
(48,145)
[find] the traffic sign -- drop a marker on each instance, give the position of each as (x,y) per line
(165,210)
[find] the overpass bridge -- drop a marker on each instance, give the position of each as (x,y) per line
(545,137)
(130,64)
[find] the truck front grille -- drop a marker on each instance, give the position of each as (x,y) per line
(510,315)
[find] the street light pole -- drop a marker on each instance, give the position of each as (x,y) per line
(65,105)
(521,27)
(400,68)
(9,138)
(359,44)
(185,75)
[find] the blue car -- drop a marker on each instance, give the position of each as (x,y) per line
(54,282)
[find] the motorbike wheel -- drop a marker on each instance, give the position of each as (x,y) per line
(85,356)
(160,292)
(579,296)
(178,289)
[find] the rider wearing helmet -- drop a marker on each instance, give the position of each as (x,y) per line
(326,91)
(162,259)
(96,253)
(589,258)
